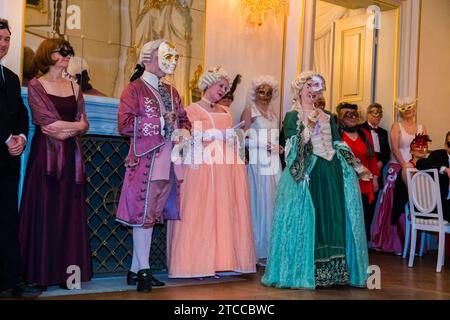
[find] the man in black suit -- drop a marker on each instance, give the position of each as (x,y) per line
(379,135)
(380,144)
(13,138)
(440,160)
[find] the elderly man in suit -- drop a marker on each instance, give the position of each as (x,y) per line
(380,143)
(379,135)
(13,138)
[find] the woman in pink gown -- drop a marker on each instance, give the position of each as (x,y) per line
(215,231)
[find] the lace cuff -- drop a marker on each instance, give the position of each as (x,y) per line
(363,173)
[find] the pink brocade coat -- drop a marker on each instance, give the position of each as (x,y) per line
(148,159)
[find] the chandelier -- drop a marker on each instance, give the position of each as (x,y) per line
(257,10)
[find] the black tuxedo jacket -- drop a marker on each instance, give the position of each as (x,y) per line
(385,151)
(436,160)
(13,120)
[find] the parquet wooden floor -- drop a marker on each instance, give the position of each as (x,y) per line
(397,282)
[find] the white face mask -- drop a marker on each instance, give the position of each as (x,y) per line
(318,84)
(167,58)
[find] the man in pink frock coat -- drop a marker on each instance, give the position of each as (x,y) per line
(149,112)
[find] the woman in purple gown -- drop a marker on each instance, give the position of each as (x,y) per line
(53,230)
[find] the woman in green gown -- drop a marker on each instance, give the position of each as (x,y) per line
(318,235)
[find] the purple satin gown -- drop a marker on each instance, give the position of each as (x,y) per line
(53,230)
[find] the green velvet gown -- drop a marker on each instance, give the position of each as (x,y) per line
(318,226)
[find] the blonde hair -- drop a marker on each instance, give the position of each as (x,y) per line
(299,82)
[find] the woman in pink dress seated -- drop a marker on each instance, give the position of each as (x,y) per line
(215,231)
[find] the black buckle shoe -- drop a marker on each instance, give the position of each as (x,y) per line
(144,280)
(132,278)
(157,283)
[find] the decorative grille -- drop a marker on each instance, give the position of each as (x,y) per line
(112,243)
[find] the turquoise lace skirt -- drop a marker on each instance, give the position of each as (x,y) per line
(318,233)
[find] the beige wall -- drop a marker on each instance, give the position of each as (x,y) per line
(434,70)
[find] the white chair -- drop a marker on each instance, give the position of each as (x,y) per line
(425,207)
(408,233)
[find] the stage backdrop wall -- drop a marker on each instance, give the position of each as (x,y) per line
(434,70)
(251,52)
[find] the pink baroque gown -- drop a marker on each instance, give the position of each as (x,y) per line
(215,231)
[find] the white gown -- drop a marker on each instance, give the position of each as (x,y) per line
(264,171)
(405,142)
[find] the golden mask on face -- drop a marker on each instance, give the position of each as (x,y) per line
(376,113)
(406,106)
(264,92)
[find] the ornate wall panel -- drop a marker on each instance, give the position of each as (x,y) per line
(111,243)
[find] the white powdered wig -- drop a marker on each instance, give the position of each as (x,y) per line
(259,81)
(148,49)
(210,77)
(404,102)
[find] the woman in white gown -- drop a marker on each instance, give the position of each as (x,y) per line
(264,166)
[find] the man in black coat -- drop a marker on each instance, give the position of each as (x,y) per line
(379,135)
(440,160)
(13,138)
(380,144)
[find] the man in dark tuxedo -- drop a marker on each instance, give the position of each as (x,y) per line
(440,160)
(13,138)
(380,144)
(379,135)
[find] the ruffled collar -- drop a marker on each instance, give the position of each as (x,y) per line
(151,79)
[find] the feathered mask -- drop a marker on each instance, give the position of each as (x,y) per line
(420,142)
(230,93)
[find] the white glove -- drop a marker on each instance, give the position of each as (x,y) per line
(230,134)
(207,136)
